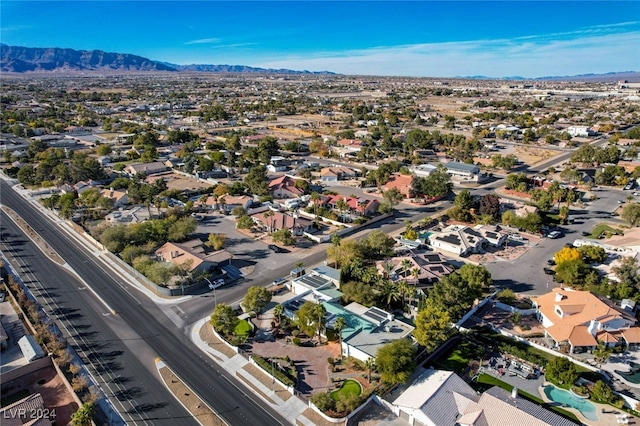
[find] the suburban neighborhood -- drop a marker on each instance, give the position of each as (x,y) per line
(349,251)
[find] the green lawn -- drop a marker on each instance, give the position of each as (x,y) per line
(350,387)
(603,228)
(486,381)
(459,358)
(243,328)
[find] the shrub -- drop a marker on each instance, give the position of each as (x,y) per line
(323,401)
(275,369)
(296,341)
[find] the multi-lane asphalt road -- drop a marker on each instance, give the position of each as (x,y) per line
(133,337)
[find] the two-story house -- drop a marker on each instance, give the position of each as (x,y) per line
(580,319)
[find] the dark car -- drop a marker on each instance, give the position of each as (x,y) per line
(274,248)
(549,271)
(551,262)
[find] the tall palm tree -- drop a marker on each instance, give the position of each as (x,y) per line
(338,326)
(278,311)
(269,214)
(387,267)
(319,312)
(416,274)
(406,265)
(370,364)
(390,292)
(315,198)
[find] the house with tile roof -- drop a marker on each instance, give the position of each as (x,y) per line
(459,239)
(580,319)
(336,173)
(148,169)
(193,256)
(285,187)
(401,182)
(442,398)
(278,220)
(359,206)
(120,198)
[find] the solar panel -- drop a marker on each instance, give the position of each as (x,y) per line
(376,314)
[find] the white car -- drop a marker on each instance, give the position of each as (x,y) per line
(516,237)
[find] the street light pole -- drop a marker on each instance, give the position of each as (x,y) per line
(213,287)
(273,378)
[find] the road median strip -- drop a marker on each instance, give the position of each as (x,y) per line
(200,410)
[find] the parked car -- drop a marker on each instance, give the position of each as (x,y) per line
(516,237)
(274,248)
(555,234)
(551,262)
(549,271)
(629,186)
(279,281)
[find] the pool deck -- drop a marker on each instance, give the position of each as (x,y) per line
(605,418)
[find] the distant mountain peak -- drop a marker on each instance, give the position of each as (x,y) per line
(18,59)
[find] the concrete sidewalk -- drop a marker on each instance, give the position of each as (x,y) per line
(291,409)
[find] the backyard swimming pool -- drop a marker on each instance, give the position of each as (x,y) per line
(587,409)
(424,236)
(633,375)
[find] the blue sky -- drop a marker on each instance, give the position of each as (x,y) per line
(415,38)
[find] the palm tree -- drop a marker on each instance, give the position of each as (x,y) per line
(387,267)
(319,312)
(416,274)
(390,293)
(370,364)
(342,206)
(338,326)
(315,198)
(278,311)
(269,214)
(406,265)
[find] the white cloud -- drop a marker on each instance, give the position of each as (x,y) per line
(204,41)
(528,57)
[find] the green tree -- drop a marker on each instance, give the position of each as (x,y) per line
(83,416)
(244,222)
(454,295)
(476,276)
(257,180)
(561,371)
(312,319)
(256,299)
(631,214)
(572,271)
(593,254)
(395,361)
(464,200)
(181,228)
(216,241)
(323,401)
(393,196)
(601,392)
(627,271)
(283,236)
(359,292)
(224,319)
(432,325)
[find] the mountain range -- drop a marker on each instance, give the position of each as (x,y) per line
(19,59)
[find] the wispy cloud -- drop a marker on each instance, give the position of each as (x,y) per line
(234,45)
(495,58)
(212,40)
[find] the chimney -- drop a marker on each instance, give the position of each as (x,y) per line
(559,297)
(514,392)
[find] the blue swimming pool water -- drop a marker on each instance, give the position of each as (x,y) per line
(587,409)
(424,236)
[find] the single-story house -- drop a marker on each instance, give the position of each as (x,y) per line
(401,182)
(360,206)
(120,198)
(417,269)
(148,169)
(335,173)
(277,220)
(192,255)
(459,239)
